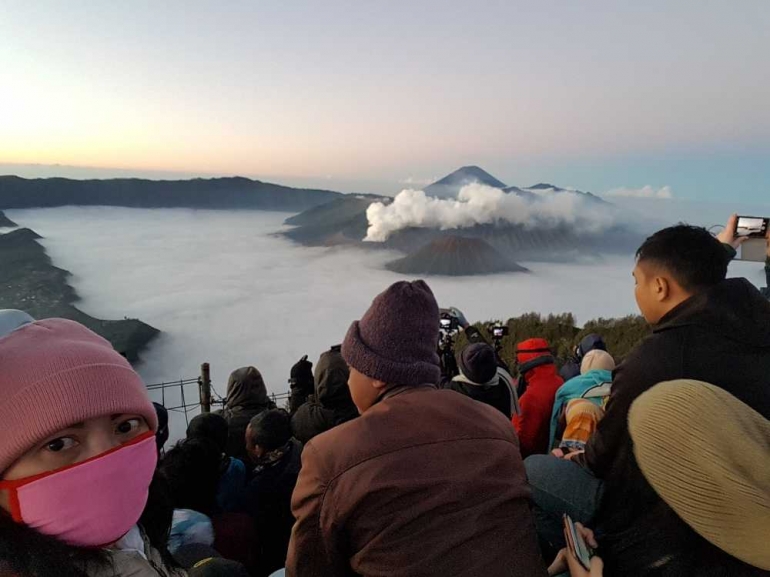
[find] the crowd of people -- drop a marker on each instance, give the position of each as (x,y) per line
(389,461)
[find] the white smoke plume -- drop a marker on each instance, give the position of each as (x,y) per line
(644,192)
(479,204)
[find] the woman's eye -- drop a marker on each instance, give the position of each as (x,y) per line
(60,444)
(129,426)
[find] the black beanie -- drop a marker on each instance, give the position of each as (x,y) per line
(477,363)
(396,339)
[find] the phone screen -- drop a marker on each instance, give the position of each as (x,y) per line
(751,227)
(577,544)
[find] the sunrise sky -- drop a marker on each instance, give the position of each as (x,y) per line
(375,96)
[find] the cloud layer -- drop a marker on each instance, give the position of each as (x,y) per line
(479,204)
(224,290)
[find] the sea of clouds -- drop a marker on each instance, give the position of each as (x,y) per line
(224,289)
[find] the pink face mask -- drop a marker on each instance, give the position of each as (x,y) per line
(92,503)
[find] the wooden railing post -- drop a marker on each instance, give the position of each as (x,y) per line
(205,388)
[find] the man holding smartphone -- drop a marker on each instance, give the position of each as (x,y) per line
(705,327)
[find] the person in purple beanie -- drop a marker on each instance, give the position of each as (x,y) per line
(425,482)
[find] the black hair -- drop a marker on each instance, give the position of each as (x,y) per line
(693,257)
(25,552)
(270,429)
(191,468)
(209,426)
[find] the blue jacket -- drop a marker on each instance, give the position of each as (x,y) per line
(231,490)
(575,388)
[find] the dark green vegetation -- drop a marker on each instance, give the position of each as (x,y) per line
(30,282)
(218,193)
(621,334)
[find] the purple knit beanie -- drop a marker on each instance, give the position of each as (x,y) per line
(396,340)
(55,373)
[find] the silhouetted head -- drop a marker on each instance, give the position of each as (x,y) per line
(191,468)
(209,426)
(268,431)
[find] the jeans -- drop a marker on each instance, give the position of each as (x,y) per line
(558,487)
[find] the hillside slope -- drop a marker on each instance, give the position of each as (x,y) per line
(30,282)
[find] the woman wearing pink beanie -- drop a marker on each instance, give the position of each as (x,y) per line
(77,457)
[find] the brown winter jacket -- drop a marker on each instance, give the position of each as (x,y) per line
(425,483)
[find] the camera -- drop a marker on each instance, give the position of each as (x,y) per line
(448,323)
(498,331)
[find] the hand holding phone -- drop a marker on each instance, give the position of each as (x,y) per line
(576,543)
(751,227)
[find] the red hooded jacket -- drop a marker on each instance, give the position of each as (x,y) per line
(538,367)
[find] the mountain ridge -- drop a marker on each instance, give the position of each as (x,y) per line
(29,281)
(201,193)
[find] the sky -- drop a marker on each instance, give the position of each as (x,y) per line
(376,96)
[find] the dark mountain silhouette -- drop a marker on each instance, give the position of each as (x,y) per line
(6,222)
(544,187)
(340,221)
(455,256)
(450,185)
(30,282)
(218,193)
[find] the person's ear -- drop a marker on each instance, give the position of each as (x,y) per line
(379,385)
(662,288)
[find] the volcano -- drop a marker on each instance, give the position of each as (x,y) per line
(479,249)
(455,256)
(450,185)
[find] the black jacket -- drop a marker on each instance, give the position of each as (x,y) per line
(246,398)
(766,289)
(501,396)
(331,405)
(268,502)
(721,336)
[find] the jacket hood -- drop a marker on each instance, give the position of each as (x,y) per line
(598,376)
(533,354)
(331,380)
(734,308)
(246,390)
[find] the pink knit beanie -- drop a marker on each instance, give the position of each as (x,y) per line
(56,372)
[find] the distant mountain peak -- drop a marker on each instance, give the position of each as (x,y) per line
(543,186)
(450,185)
(468,174)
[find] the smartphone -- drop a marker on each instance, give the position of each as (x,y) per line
(576,544)
(752,227)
